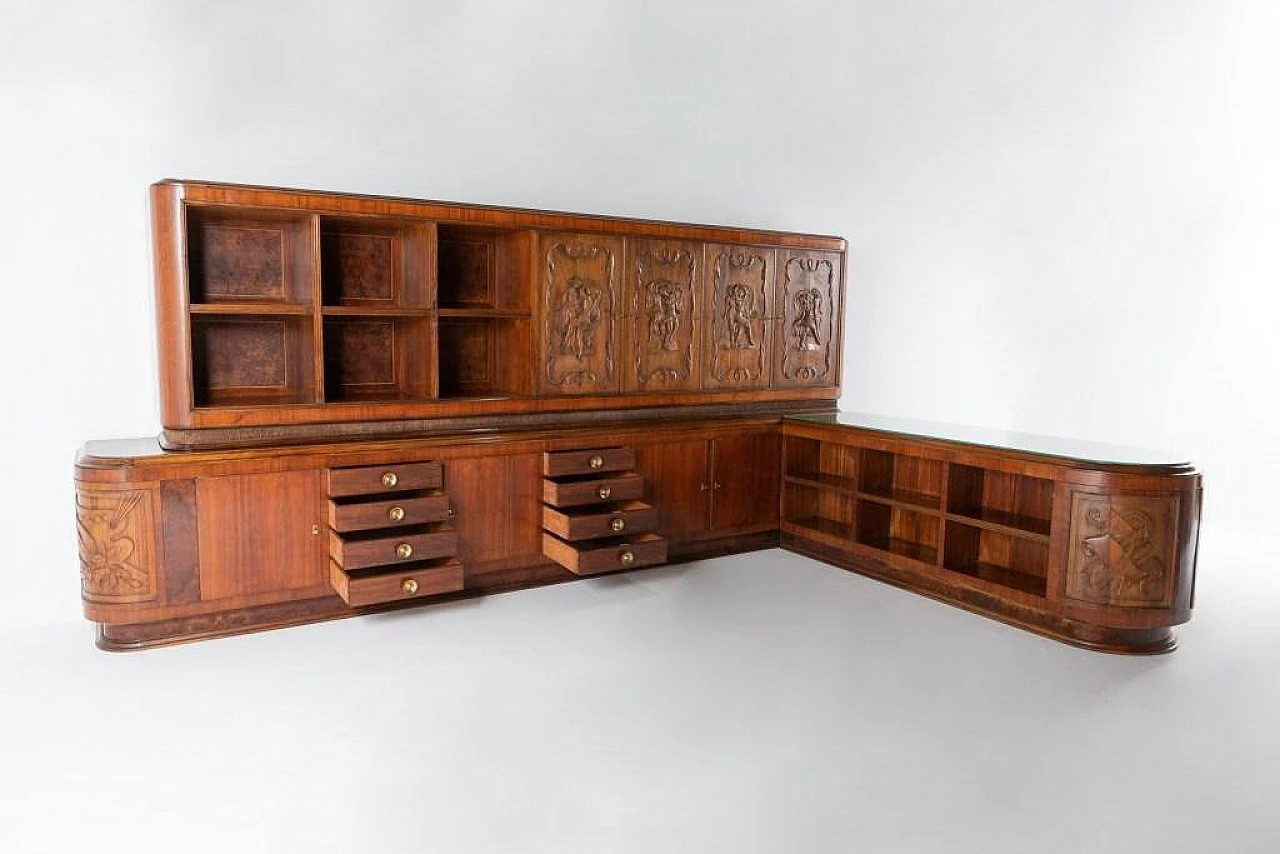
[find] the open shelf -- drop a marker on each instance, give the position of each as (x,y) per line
(249,255)
(482,357)
(376,357)
(898,479)
(374,263)
(1014,562)
(898,530)
(1011,502)
(820,463)
(821,511)
(252,360)
(483,268)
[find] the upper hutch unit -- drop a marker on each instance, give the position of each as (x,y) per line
(290,315)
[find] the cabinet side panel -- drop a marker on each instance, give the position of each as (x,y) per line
(260,533)
(172,332)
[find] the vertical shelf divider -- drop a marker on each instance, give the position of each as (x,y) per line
(317,312)
(943,498)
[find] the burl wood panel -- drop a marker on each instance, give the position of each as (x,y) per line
(664,294)
(251,360)
(238,261)
(261,533)
(360,268)
(1121,549)
(468,271)
(747,471)
(806,350)
(739,331)
(117,537)
(180,543)
(498,509)
(360,353)
(580,297)
(468,356)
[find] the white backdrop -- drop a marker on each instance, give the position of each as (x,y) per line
(1060,217)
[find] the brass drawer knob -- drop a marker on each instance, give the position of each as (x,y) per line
(390,478)
(604,492)
(627,558)
(596,461)
(618,524)
(404,551)
(409,586)
(396,513)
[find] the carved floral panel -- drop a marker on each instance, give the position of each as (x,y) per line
(116,531)
(739,331)
(580,295)
(1121,549)
(809,297)
(663,310)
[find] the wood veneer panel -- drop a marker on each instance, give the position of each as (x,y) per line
(180,541)
(677,474)
(747,472)
(260,533)
(498,509)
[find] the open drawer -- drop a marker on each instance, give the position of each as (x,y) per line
(607,555)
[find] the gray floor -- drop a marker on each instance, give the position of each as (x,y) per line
(759,703)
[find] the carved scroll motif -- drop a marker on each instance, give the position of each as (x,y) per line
(738,352)
(1121,549)
(580,312)
(117,545)
(809,287)
(664,336)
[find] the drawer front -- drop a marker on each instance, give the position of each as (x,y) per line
(606,556)
(623,487)
(386,551)
(369,515)
(622,519)
(413,583)
(371,480)
(561,463)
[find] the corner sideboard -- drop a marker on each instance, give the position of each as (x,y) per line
(372,403)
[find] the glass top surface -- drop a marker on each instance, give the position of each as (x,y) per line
(987,437)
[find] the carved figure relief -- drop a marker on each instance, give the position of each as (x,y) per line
(117,542)
(579,310)
(808,289)
(662,301)
(738,340)
(1121,549)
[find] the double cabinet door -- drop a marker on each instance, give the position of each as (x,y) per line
(678,316)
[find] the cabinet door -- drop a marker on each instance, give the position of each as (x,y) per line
(580,299)
(807,351)
(739,331)
(747,472)
(677,482)
(261,535)
(664,295)
(497,505)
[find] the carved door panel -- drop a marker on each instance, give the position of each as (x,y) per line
(677,482)
(739,330)
(806,351)
(664,295)
(746,476)
(580,301)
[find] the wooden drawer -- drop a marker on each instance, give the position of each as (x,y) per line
(391,513)
(622,519)
(371,480)
(362,552)
(561,463)
(622,487)
(606,555)
(413,582)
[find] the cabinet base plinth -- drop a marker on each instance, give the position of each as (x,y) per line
(1074,632)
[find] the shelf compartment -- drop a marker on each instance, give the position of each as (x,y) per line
(484,357)
(374,263)
(823,464)
(376,358)
(252,360)
(997,558)
(898,530)
(482,267)
(822,511)
(249,255)
(1009,501)
(900,479)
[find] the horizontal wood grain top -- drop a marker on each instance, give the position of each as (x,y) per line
(1060,450)
(348,204)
